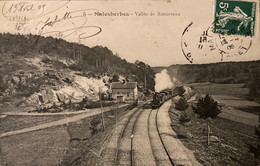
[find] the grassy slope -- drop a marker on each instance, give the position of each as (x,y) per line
(229,145)
(235,138)
(43,147)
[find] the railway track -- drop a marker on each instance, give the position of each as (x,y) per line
(122,158)
(163,144)
(129,145)
(120,137)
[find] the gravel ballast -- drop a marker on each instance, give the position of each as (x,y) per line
(178,152)
(143,154)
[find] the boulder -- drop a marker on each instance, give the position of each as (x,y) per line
(23,81)
(214,139)
(3,116)
(47,96)
(33,99)
(228,147)
(15,79)
(29,75)
(43,97)
(50,95)
(61,97)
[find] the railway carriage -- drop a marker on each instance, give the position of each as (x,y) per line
(160,97)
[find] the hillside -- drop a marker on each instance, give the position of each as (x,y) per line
(37,72)
(224,72)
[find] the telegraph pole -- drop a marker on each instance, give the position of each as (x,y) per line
(101,107)
(144,84)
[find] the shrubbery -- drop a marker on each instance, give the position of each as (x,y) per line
(85,103)
(181,104)
(184,117)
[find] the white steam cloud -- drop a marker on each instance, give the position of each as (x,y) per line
(162,81)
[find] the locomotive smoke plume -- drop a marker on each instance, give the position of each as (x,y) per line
(162,81)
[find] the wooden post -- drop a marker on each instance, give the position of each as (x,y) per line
(101,107)
(80,53)
(208,131)
(132,150)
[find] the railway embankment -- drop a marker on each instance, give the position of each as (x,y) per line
(180,155)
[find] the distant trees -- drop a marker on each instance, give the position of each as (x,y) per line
(145,75)
(254,85)
(207,108)
(224,72)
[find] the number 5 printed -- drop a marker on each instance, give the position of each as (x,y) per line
(223,5)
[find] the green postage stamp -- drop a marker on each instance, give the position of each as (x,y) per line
(235,17)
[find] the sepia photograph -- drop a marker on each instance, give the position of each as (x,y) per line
(129,82)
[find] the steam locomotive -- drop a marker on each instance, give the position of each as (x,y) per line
(160,97)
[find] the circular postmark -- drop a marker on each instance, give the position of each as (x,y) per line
(209,47)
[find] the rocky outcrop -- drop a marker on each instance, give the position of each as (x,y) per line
(42,89)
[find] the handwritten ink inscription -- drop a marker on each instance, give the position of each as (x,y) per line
(52,18)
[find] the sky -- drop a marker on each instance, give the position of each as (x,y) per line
(149,37)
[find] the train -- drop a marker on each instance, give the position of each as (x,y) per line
(160,97)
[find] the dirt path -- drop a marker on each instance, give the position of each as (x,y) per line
(56,123)
(230,113)
(237,115)
(58,113)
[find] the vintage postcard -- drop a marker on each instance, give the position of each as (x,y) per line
(129,82)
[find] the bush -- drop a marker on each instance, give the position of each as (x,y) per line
(180,90)
(181,104)
(3,85)
(184,117)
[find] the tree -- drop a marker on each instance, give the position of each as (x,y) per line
(145,75)
(256,150)
(207,108)
(115,78)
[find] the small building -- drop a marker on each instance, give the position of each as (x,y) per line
(124,91)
